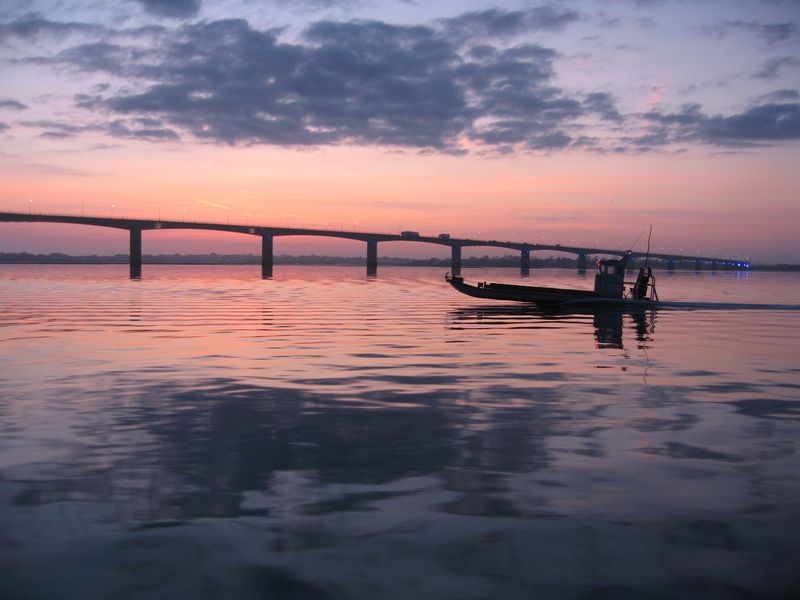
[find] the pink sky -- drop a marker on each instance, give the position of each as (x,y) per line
(626,128)
(728,205)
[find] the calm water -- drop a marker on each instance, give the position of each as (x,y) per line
(202,433)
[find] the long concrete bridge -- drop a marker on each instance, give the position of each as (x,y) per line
(267,235)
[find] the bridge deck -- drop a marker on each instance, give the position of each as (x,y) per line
(136,226)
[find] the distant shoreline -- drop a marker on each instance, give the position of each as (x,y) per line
(26,258)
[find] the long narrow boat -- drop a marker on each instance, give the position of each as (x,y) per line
(609,289)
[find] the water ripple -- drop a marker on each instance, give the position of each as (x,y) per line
(325,435)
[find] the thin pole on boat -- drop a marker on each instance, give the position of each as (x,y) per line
(647,256)
(638,238)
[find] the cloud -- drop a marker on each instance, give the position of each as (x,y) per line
(55,135)
(499,23)
(32,26)
(764,123)
(775,32)
(97,56)
(136,128)
(314,5)
(422,87)
(179,9)
(773,65)
(12,104)
(780,96)
(602,104)
(772,33)
(3,127)
(142,129)
(358,82)
(56,129)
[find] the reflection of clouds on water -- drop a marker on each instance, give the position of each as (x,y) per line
(186,453)
(770,409)
(260,491)
(680,451)
(177,439)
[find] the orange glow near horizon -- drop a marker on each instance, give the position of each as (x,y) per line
(716,204)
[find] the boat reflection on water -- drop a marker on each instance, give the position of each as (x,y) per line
(608,324)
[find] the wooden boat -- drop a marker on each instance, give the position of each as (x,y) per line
(609,289)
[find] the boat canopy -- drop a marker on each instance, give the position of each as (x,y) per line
(609,281)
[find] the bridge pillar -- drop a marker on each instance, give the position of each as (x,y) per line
(525,261)
(583,263)
(455,260)
(372,257)
(266,256)
(135,255)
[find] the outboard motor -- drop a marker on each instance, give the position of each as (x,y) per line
(644,281)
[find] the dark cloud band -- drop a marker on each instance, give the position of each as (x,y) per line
(354,82)
(171,8)
(456,85)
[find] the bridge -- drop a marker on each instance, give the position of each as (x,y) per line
(267,235)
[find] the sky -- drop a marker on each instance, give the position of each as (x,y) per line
(575,122)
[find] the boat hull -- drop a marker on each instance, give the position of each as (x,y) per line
(543,296)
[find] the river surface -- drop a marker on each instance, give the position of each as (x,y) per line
(203,433)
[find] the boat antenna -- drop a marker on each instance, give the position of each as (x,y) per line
(636,241)
(647,256)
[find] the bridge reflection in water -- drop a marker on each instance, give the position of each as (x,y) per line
(267,234)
